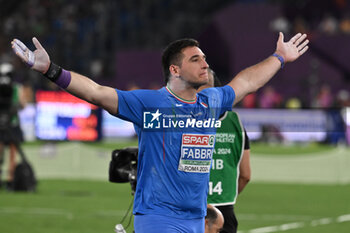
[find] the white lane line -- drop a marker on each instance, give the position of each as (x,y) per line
(322,221)
(275,217)
(289,226)
(344,218)
(283,227)
(297,225)
(264,229)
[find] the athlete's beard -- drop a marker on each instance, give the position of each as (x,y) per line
(193,84)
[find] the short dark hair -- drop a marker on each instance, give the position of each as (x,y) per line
(212,215)
(172,54)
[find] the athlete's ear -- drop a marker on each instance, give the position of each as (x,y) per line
(206,226)
(174,70)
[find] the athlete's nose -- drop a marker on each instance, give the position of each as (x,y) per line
(205,64)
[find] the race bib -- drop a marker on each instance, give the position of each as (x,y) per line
(196,152)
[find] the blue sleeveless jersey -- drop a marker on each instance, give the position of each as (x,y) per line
(176,141)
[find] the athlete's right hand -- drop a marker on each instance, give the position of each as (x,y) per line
(38,60)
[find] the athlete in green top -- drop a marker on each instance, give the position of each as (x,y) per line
(230,171)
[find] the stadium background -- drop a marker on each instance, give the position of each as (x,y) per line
(296,186)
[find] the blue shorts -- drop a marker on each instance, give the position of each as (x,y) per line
(163,224)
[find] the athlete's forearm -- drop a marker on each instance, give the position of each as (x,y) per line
(242,182)
(88,90)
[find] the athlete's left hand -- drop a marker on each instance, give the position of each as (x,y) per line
(38,60)
(292,49)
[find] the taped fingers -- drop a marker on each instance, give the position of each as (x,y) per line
(23,52)
(20,44)
(31,58)
(19,51)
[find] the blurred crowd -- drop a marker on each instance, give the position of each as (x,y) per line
(85,35)
(325,98)
(314,17)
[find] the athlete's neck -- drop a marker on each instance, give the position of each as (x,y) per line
(183,92)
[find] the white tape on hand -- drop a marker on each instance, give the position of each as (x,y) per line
(23,52)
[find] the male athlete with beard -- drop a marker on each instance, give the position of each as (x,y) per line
(175,125)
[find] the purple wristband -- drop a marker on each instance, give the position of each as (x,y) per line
(64,79)
(280,58)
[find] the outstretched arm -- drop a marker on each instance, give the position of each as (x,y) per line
(252,78)
(76,84)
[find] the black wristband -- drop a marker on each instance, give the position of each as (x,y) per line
(53,72)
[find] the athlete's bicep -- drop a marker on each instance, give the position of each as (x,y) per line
(240,87)
(109,100)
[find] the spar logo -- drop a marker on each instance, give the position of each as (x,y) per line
(158,120)
(198,140)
